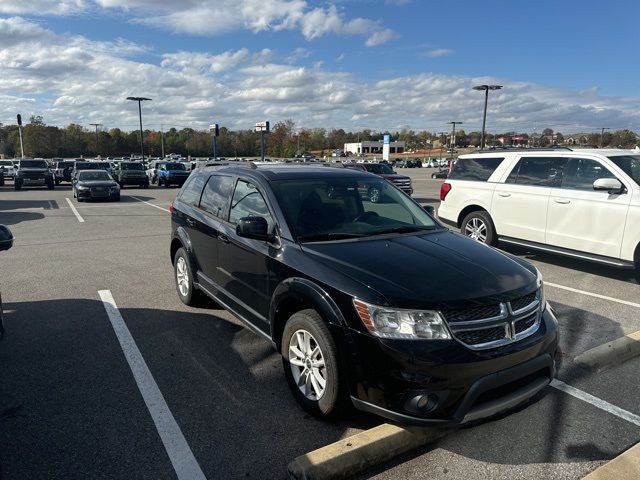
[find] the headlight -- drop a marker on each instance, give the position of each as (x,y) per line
(80,187)
(542,297)
(402,324)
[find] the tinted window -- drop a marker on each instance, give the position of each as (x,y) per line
(174,166)
(215,194)
(247,202)
(191,191)
(479,169)
(536,171)
(33,164)
(630,164)
(580,173)
(378,168)
(91,176)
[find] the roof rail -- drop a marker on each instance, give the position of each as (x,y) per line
(524,149)
(250,165)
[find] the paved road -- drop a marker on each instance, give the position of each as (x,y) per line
(70,406)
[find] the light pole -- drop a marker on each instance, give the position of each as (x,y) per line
(602,135)
(453,134)
(486,89)
(162,138)
(19,118)
(140,100)
(96,125)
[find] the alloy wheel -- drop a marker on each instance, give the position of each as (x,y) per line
(307,365)
(182,276)
(476,229)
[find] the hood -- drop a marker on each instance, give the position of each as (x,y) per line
(394,176)
(133,173)
(433,270)
(34,169)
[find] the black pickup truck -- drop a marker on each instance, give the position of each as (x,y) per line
(34,173)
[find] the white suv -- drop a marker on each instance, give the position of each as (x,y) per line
(580,203)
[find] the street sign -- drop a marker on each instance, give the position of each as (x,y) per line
(19,119)
(262,126)
(214,130)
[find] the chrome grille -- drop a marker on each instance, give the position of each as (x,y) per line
(490,326)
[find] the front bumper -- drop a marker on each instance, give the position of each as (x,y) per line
(387,377)
(89,195)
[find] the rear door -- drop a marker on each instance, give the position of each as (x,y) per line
(243,263)
(581,218)
(519,205)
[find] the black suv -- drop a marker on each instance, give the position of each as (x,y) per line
(131,173)
(33,173)
(376,302)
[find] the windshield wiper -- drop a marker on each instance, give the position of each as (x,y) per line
(329,236)
(403,229)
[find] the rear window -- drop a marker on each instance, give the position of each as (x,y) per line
(131,166)
(478,169)
(215,194)
(33,164)
(174,166)
(192,190)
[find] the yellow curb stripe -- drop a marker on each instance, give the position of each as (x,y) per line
(624,467)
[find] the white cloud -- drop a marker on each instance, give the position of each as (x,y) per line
(74,79)
(438,52)
(42,7)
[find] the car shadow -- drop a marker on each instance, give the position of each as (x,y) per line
(31,204)
(622,274)
(70,400)
(14,218)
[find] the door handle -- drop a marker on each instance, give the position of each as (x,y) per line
(223,238)
(191,222)
(504,194)
(562,201)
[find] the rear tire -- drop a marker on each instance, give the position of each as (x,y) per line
(310,369)
(183,275)
(166,184)
(479,226)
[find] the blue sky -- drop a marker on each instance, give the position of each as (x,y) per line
(351,64)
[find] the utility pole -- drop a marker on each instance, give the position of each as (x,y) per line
(140,100)
(96,125)
(602,135)
(162,138)
(453,134)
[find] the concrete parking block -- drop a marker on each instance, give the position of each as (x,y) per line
(359,452)
(624,467)
(612,353)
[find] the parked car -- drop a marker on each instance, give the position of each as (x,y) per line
(33,173)
(152,170)
(6,242)
(583,204)
(80,165)
(62,171)
(385,171)
(1,177)
(366,302)
(442,173)
(172,173)
(131,173)
(95,184)
(7,168)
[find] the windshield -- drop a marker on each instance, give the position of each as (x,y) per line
(131,166)
(33,164)
(6,163)
(338,208)
(174,166)
(379,169)
(97,175)
(630,164)
(65,164)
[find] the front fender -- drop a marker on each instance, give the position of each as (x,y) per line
(305,290)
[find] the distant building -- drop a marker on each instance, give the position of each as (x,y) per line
(514,140)
(372,146)
(578,139)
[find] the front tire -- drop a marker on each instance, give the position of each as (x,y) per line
(310,362)
(479,226)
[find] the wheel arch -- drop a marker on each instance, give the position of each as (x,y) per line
(469,209)
(181,240)
(295,294)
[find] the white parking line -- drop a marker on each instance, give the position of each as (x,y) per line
(75,212)
(596,295)
(181,456)
(596,402)
(148,203)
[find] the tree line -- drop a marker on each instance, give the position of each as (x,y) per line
(285,140)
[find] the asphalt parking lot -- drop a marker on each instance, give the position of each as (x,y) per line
(151,388)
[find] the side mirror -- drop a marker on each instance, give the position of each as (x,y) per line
(611,185)
(6,238)
(254,227)
(429,209)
